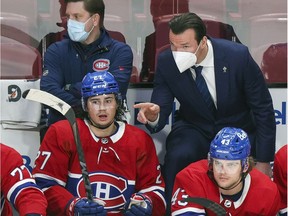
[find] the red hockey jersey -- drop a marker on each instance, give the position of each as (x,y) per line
(118,166)
(18,187)
(280,176)
(260,195)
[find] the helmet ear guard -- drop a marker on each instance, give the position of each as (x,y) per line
(83,103)
(209,159)
(210,162)
(245,164)
(118,98)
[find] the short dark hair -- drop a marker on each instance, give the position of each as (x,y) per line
(93,7)
(182,22)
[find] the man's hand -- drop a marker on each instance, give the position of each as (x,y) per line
(264,168)
(147,112)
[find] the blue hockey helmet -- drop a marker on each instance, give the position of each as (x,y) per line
(99,83)
(230,144)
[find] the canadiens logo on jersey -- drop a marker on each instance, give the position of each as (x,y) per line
(101,64)
(112,189)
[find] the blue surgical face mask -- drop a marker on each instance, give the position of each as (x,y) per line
(76,30)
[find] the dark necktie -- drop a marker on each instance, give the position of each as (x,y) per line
(203,88)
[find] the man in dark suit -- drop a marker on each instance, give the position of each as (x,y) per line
(240,97)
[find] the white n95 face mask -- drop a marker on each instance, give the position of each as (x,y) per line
(184,60)
(76,30)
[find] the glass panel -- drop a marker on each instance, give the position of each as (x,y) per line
(143,25)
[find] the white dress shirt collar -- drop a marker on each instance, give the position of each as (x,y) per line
(208,61)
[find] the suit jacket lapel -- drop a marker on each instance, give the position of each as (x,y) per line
(222,78)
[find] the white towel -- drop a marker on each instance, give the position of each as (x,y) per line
(17,112)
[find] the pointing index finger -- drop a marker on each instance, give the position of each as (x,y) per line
(143,105)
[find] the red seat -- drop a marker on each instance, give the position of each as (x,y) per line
(160,8)
(134,75)
(162,31)
(158,51)
(117,36)
(9,31)
(216,9)
(274,63)
(222,30)
(20,61)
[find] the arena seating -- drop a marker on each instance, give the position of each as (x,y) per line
(19,61)
(274,63)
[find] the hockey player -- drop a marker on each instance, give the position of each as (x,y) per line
(227,178)
(121,159)
(18,188)
(280,177)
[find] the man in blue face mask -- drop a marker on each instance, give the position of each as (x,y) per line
(88,47)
